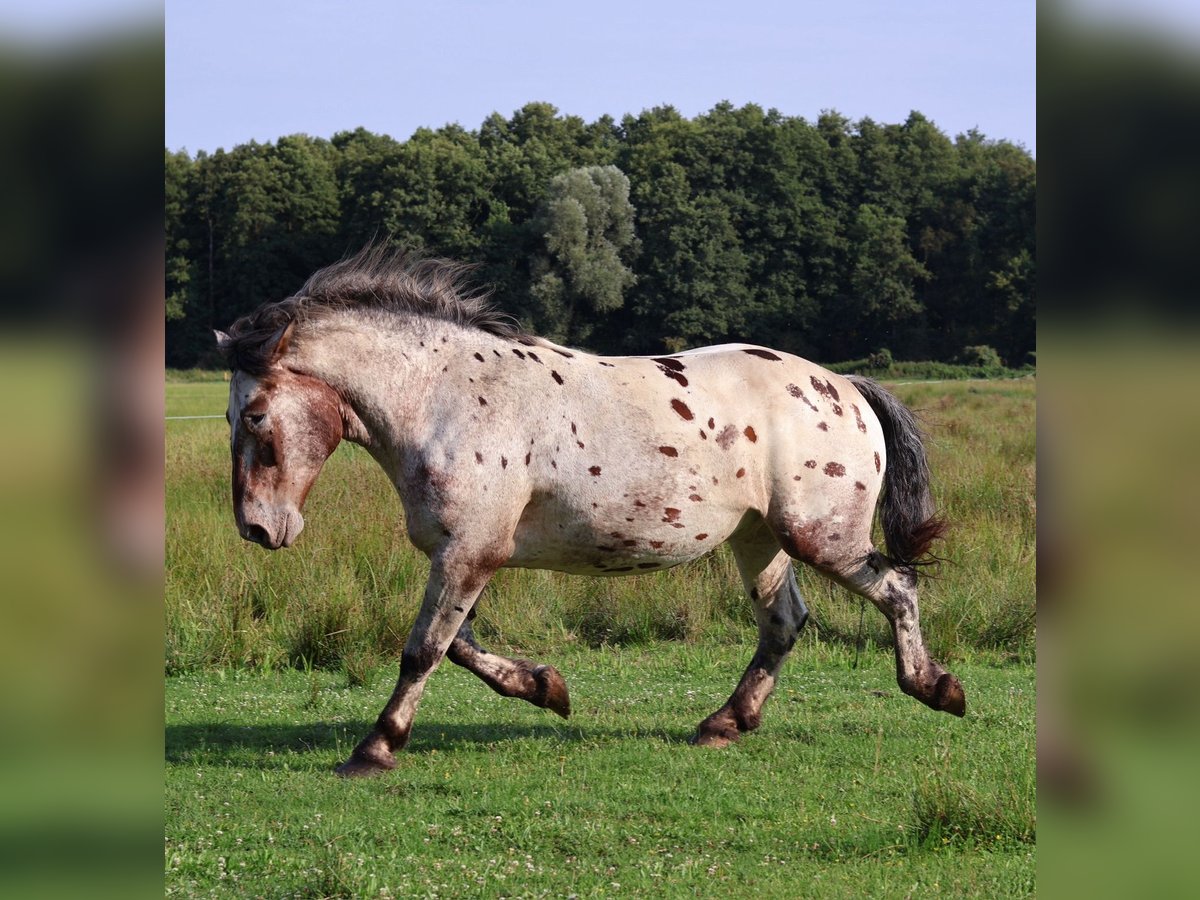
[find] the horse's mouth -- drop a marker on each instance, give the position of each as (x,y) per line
(290,528)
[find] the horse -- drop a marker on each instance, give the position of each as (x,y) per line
(508,450)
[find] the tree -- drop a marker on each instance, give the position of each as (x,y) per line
(588,225)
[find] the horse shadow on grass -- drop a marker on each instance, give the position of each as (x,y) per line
(271,746)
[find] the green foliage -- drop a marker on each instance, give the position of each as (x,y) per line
(587,222)
(659,232)
(980,355)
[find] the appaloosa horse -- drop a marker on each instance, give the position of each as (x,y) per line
(507,450)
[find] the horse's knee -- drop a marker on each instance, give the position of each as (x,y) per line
(417,662)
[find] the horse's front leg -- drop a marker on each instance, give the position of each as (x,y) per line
(455,581)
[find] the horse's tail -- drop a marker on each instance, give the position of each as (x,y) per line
(910,522)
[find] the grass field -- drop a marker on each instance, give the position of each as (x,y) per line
(848,789)
(277,664)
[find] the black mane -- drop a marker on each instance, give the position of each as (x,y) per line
(375,278)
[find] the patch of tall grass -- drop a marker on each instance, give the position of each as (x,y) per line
(345,596)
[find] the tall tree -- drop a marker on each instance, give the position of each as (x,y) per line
(588,225)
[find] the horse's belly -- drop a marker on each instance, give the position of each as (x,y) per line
(564,540)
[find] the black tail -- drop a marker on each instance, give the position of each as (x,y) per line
(910,523)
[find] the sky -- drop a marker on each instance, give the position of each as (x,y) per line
(241,70)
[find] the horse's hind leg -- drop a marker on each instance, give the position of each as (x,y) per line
(894,591)
(780,612)
(541,685)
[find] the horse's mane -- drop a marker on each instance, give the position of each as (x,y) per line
(376,278)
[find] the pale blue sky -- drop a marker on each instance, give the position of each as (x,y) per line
(257,69)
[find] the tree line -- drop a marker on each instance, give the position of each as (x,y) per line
(831,239)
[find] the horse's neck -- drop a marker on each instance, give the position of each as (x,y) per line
(385,375)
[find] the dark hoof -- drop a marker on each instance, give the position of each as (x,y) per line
(716,732)
(552,691)
(949,697)
(362,764)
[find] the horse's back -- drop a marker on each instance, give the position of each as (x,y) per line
(655,460)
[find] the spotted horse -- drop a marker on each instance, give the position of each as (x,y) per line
(509,450)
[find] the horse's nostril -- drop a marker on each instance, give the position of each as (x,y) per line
(256,533)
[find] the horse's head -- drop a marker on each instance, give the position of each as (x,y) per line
(284,425)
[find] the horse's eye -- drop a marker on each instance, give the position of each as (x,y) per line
(253,420)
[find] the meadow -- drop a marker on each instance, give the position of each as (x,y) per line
(277,663)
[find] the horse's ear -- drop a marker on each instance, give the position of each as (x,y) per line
(282,339)
(224,341)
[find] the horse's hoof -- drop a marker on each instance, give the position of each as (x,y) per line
(365,766)
(711,739)
(552,691)
(949,696)
(717,733)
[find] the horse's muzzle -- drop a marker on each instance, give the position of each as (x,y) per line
(272,532)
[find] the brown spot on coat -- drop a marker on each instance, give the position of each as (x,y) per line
(482,402)
(519,354)
(479,357)
(668,363)
(695,498)
(810,463)
(595,470)
(668,451)
(629,542)
(702,536)
(726,437)
(825,388)
(527,457)
(503,462)
(479,457)
(534,357)
(556,376)
(837,409)
(823,426)
(670,514)
(795,478)
(607,365)
(712,424)
(834,469)
(877,461)
(799,394)
(675,376)
(859,486)
(703,436)
(657,545)
(682,409)
(858,419)
(748,431)
(740,473)
(762,354)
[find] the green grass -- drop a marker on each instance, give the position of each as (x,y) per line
(849,789)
